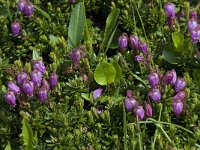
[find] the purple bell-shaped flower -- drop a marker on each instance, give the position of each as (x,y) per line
(139,58)
(170,9)
(21,76)
(15,28)
(75,56)
(39,65)
(123,41)
(139,112)
(28,87)
(36,77)
(177,107)
(134,40)
(179,96)
(53,80)
(13,87)
(155,95)
(10,98)
(148,110)
(180,85)
(29,9)
(170,77)
(21,6)
(192,24)
(142,46)
(42,94)
(153,79)
(45,84)
(97,93)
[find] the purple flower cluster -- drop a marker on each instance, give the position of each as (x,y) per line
(30,85)
(158,83)
(170,11)
(131,104)
(25,7)
(135,43)
(194,27)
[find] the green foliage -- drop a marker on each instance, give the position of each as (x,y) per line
(76,26)
(70,119)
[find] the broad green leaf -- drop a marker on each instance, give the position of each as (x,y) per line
(27,135)
(8,147)
(110,26)
(118,69)
(35,55)
(104,74)
(178,39)
(171,57)
(76,26)
(44,13)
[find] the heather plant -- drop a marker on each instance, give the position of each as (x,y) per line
(89,74)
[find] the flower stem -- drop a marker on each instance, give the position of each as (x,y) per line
(139,134)
(125,128)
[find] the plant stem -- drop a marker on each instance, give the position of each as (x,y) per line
(139,134)
(125,128)
(156,132)
(134,75)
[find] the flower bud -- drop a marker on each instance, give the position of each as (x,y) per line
(42,94)
(75,56)
(39,65)
(177,107)
(139,58)
(179,96)
(21,6)
(99,110)
(153,79)
(142,46)
(192,24)
(53,80)
(28,87)
(45,84)
(148,110)
(195,34)
(72,1)
(181,14)
(155,95)
(123,41)
(10,98)
(180,85)
(13,87)
(29,9)
(170,77)
(139,112)
(170,9)
(97,93)
(130,103)
(193,15)
(36,77)
(15,28)
(134,41)
(21,76)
